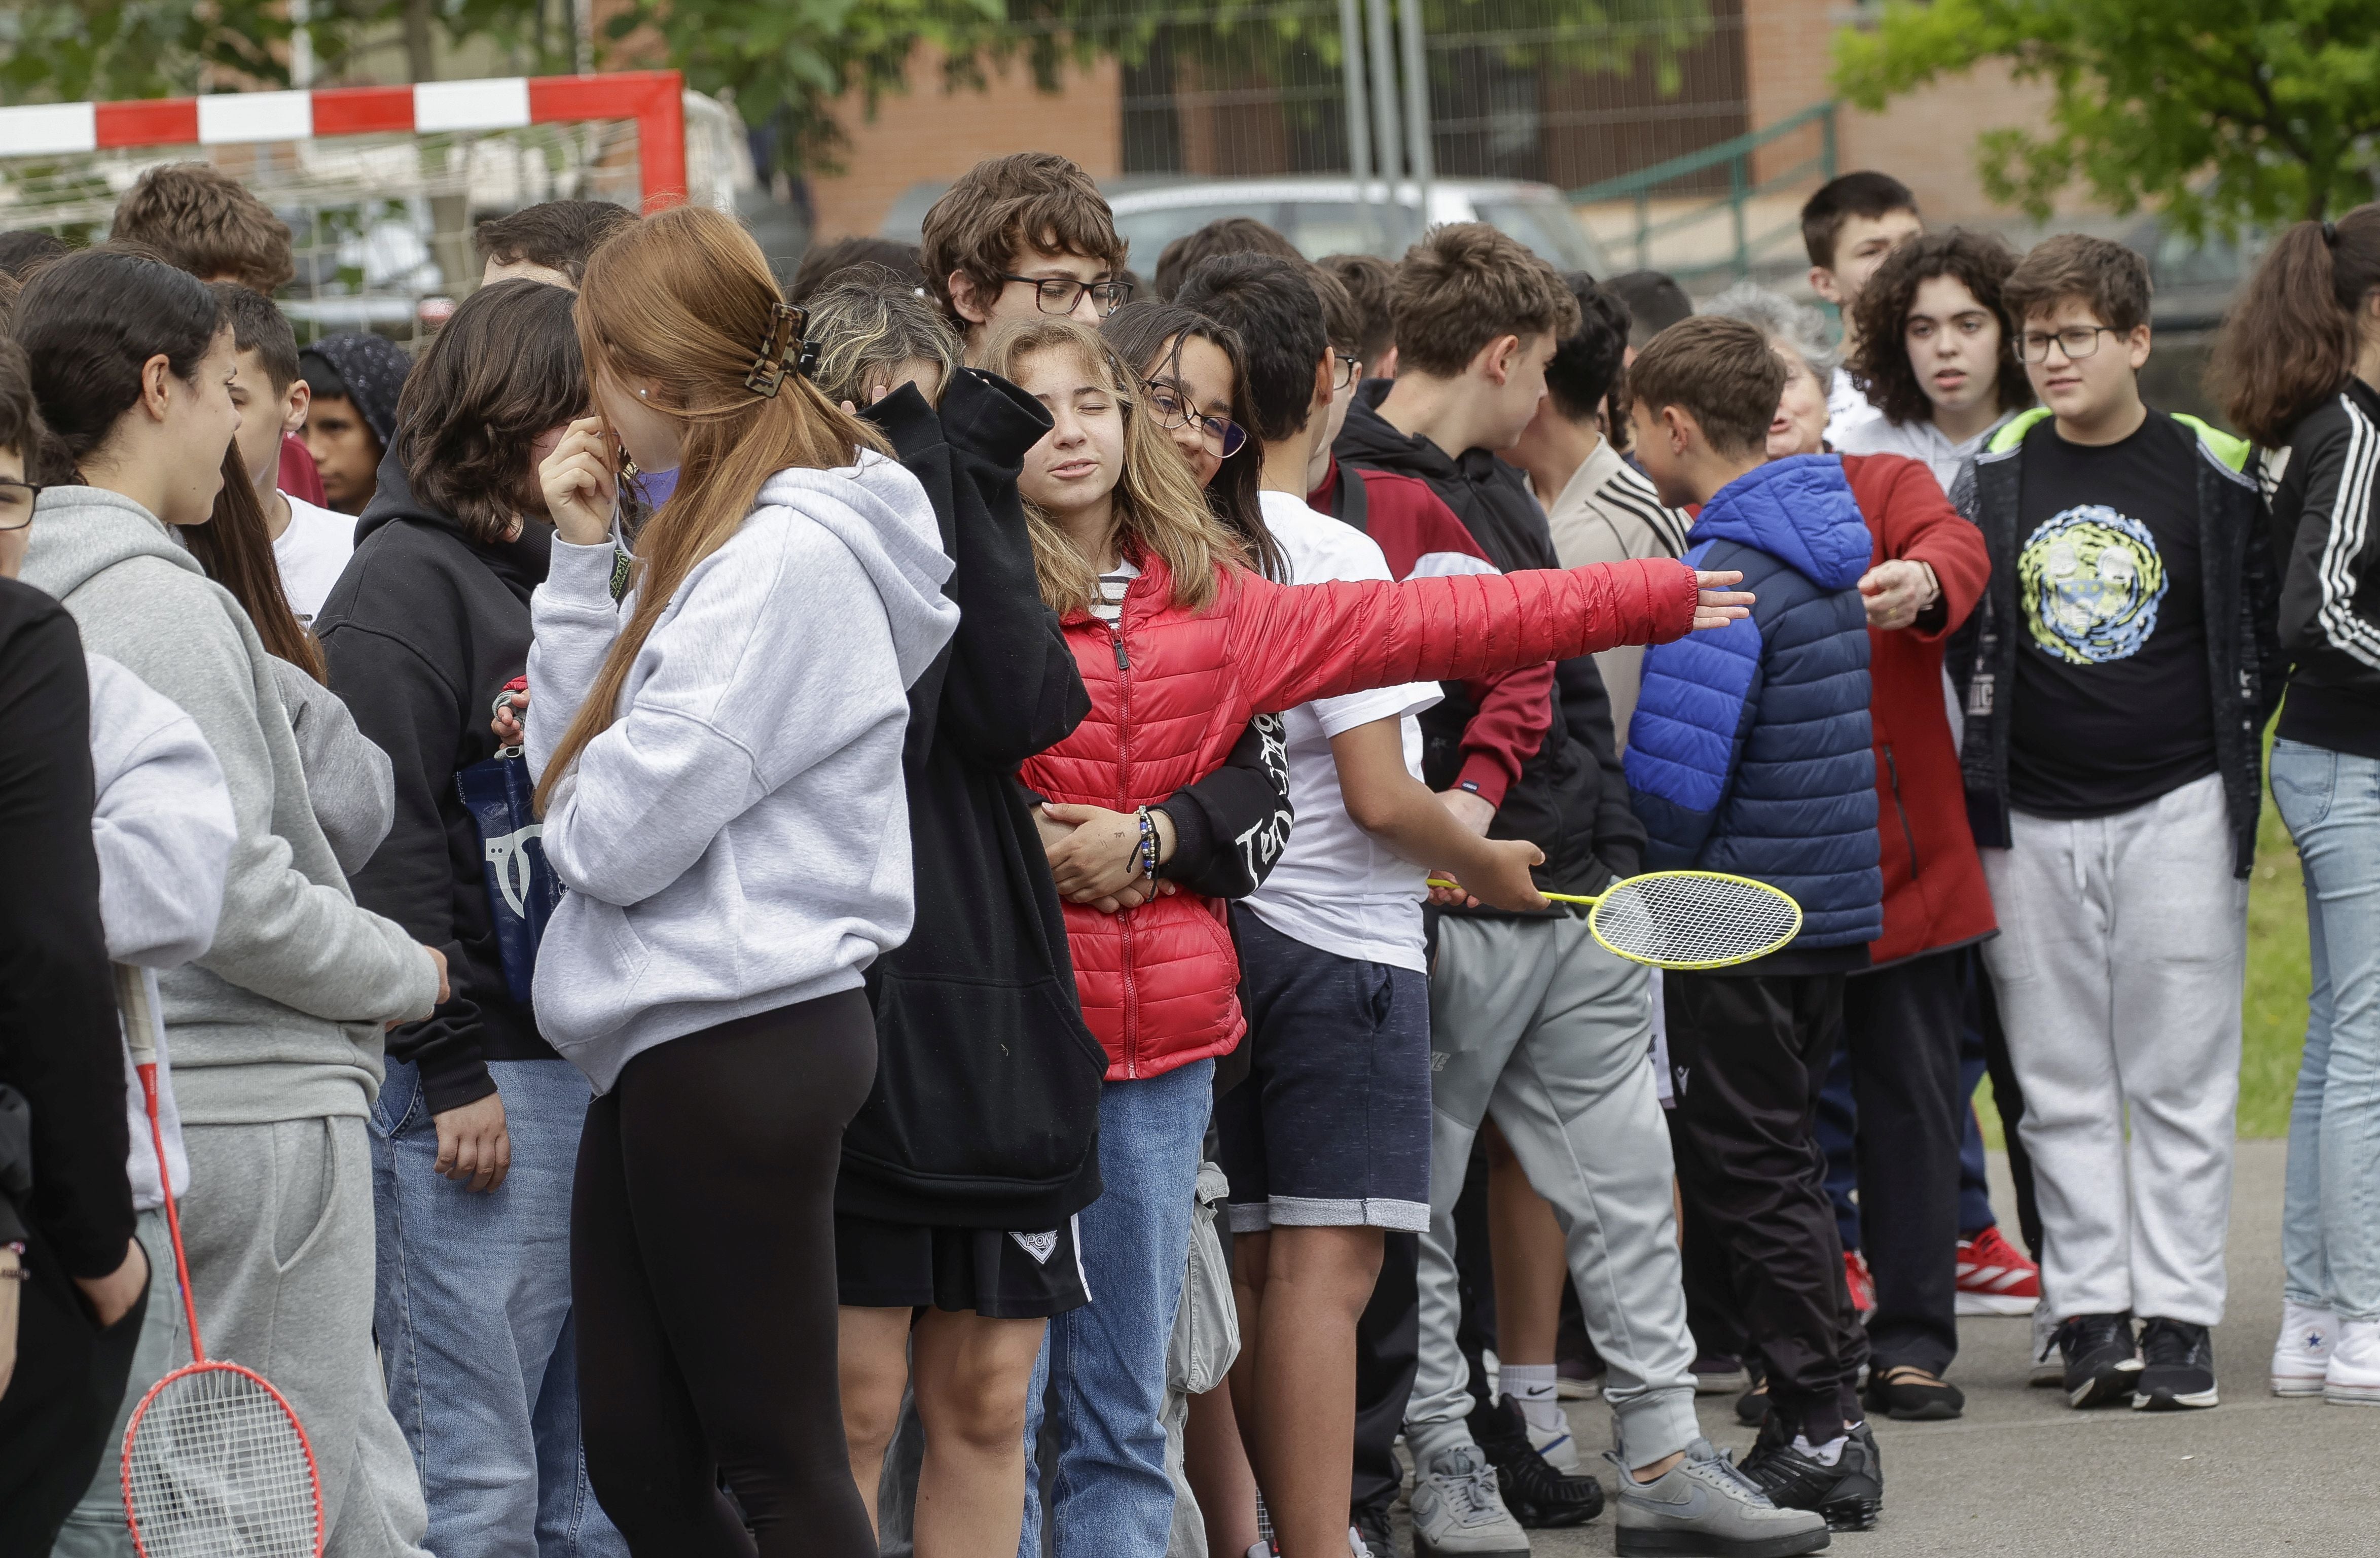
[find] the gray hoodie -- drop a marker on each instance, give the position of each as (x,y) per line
(280,1018)
(738,840)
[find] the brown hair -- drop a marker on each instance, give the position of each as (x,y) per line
(1978,261)
(684,299)
(823,265)
(1003,205)
(20,418)
(235,550)
(1371,284)
(2110,278)
(2291,338)
(505,371)
(558,235)
(1148,337)
(258,325)
(197,218)
(1466,284)
(1864,193)
(1158,508)
(1226,235)
(868,323)
(1717,369)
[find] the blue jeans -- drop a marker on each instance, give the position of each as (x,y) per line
(1101,1374)
(473,1317)
(2331,1215)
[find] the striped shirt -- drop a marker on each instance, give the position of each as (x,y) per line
(1109,607)
(1608,513)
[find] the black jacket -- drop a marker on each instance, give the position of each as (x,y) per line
(421,632)
(1572,799)
(2244,664)
(60,1047)
(985,1104)
(2323,485)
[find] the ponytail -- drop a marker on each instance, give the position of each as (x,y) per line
(2292,337)
(235,550)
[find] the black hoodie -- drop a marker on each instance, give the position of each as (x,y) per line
(421,632)
(1572,801)
(985,1109)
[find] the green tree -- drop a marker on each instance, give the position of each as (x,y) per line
(2223,114)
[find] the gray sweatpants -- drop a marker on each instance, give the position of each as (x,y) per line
(278,1228)
(1534,1023)
(2123,947)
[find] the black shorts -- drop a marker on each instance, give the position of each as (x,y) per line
(999,1275)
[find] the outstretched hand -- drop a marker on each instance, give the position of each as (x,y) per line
(1717,605)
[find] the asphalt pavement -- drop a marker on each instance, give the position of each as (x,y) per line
(2023,1474)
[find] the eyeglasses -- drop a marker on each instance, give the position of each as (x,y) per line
(1344,370)
(16,503)
(2077,341)
(1064,295)
(1171,411)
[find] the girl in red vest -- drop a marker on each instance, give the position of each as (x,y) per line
(1179,644)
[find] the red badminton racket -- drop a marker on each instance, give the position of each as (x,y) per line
(215,1462)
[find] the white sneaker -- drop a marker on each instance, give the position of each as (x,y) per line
(1457,1513)
(2048,1366)
(2352,1378)
(1555,1444)
(2303,1353)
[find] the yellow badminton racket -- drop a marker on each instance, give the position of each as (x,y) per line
(1685,919)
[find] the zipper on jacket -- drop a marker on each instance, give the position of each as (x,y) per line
(1892,773)
(1124,803)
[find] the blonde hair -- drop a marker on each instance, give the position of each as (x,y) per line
(683,301)
(1158,507)
(866,325)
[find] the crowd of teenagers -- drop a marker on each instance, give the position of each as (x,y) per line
(907,914)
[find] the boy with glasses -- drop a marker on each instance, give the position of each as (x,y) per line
(1019,236)
(2124,660)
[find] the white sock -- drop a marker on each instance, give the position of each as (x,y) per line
(1824,1454)
(1532,1384)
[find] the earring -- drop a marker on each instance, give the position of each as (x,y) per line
(641,394)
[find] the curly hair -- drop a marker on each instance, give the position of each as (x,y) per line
(1981,262)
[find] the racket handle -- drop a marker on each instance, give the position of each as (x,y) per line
(1554,897)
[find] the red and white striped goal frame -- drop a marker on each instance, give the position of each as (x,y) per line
(654,99)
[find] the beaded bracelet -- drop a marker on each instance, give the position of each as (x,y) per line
(1148,844)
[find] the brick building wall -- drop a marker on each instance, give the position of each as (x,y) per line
(926,133)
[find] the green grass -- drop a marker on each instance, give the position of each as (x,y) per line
(2278,978)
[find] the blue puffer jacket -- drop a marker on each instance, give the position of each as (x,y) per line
(1749,752)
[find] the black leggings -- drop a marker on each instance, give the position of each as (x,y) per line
(702,1270)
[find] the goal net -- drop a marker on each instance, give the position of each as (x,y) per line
(381,187)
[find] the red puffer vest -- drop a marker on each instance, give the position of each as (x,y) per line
(1172,690)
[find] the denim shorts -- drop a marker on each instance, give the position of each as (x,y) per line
(1331,1128)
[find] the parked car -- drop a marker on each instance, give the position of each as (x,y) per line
(1320,214)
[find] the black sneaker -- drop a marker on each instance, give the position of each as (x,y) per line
(1912,1396)
(1535,1494)
(2102,1360)
(1848,1494)
(2179,1370)
(1371,1524)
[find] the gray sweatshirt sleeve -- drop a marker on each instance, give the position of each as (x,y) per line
(283,934)
(163,827)
(350,780)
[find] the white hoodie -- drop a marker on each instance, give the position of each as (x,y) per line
(738,840)
(164,832)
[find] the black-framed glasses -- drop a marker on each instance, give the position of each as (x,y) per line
(1171,411)
(1064,295)
(16,503)
(1344,370)
(2077,341)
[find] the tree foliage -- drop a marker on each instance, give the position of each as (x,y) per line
(2223,114)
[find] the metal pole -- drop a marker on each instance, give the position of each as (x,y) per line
(1388,137)
(301,43)
(1359,108)
(1417,148)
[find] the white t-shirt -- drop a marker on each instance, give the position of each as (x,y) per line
(1336,886)
(312,552)
(1847,409)
(1922,442)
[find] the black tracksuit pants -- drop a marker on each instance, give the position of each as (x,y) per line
(1901,1030)
(1751,1054)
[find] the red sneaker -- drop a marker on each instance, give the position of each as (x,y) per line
(1995,1278)
(1862,1284)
